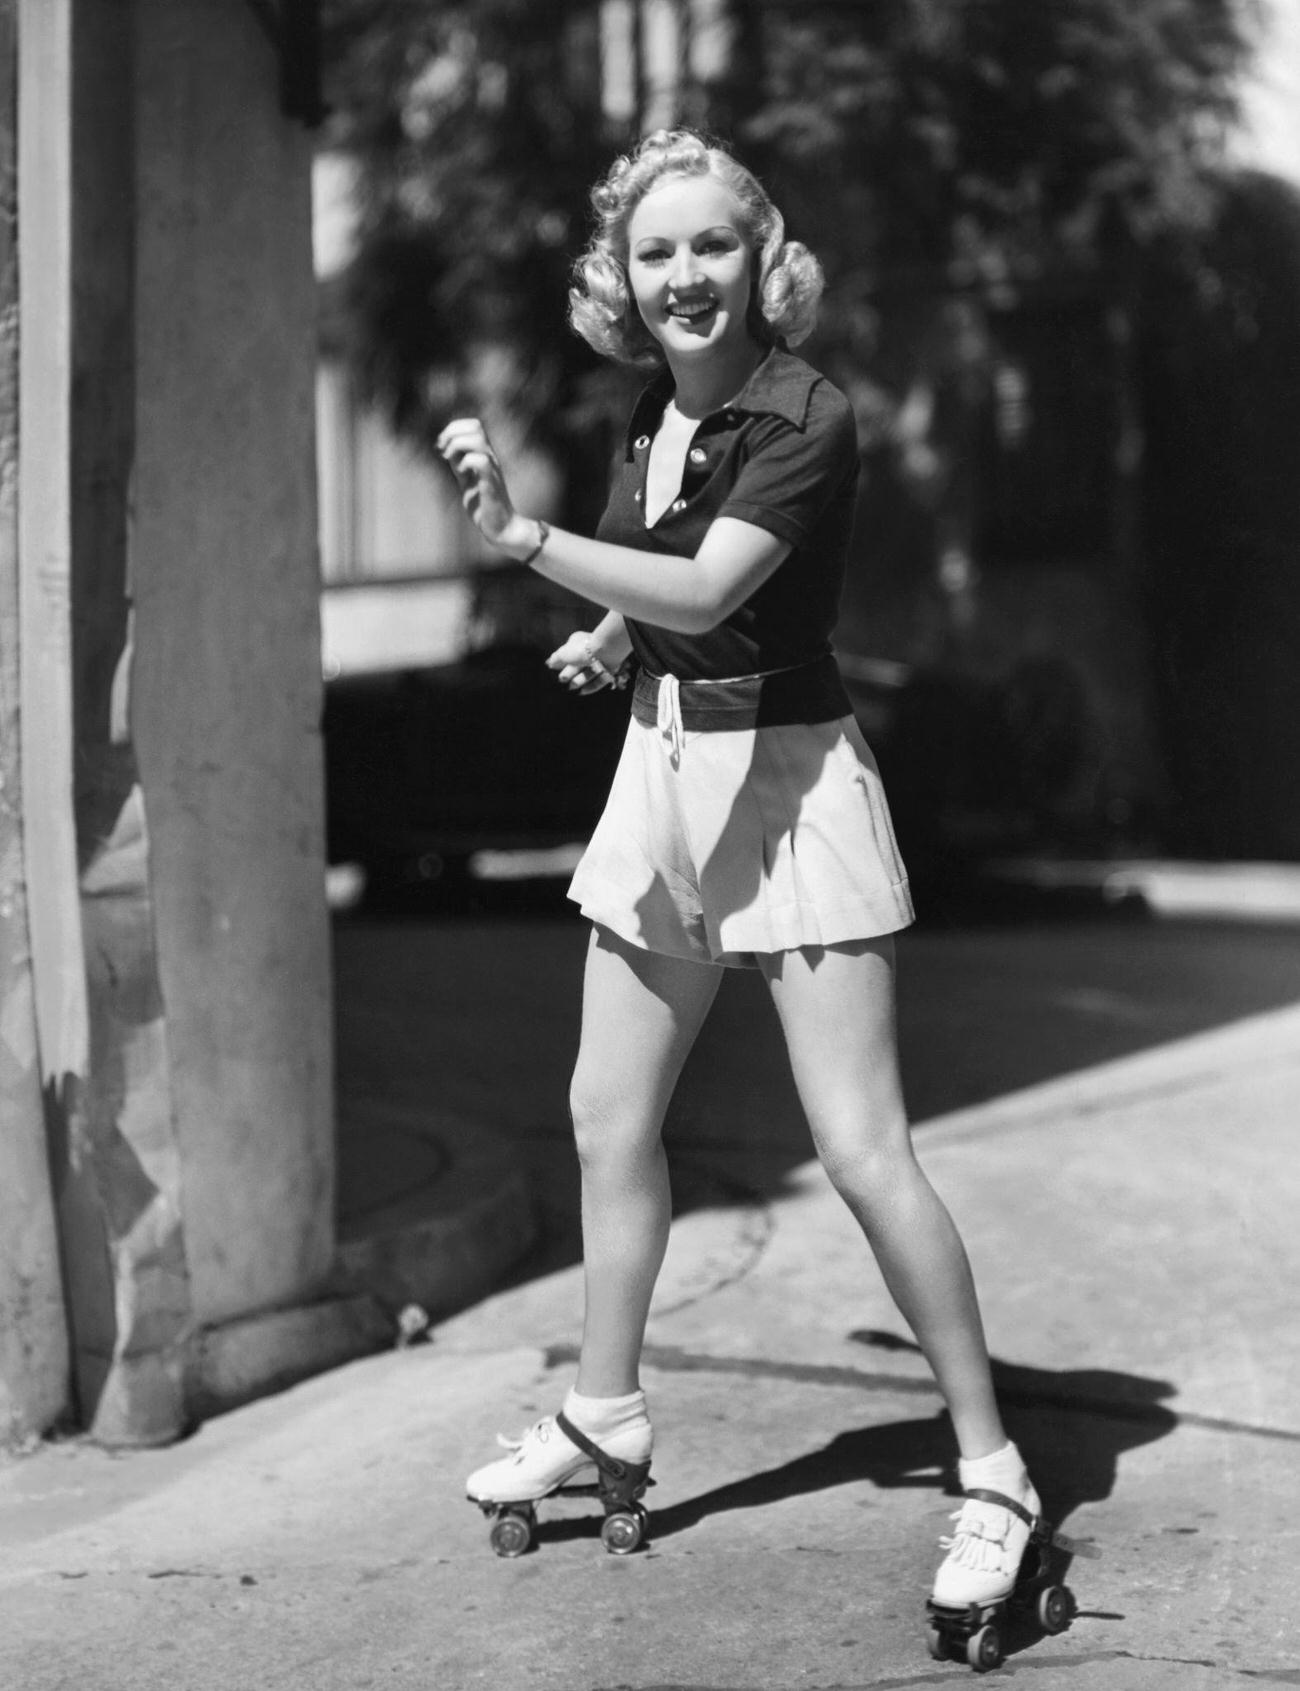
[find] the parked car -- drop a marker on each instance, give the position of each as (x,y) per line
(427,768)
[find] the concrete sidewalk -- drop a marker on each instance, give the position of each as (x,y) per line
(435,1210)
(435,1207)
(1133,1233)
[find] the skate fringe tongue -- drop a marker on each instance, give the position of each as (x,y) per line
(978,1544)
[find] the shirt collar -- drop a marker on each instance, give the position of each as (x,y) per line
(780,385)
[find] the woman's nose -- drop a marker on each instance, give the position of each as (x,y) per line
(685,268)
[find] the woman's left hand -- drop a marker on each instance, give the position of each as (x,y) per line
(579,667)
(465,446)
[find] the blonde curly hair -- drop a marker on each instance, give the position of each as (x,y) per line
(788,280)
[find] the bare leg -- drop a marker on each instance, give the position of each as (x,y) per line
(836,1006)
(641,1013)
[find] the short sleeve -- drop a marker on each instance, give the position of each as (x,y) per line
(791,474)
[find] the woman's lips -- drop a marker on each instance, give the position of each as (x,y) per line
(692,312)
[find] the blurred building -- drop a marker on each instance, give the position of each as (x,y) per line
(166,1165)
(402,572)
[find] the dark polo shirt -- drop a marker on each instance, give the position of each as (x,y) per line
(782,455)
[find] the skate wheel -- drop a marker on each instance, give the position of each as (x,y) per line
(1055,1609)
(621,1533)
(984,1649)
(511,1535)
(936,1643)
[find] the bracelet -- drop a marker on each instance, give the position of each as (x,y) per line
(544,534)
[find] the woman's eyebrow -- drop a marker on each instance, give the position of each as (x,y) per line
(699,235)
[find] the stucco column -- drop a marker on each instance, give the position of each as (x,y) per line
(227,678)
(33,1334)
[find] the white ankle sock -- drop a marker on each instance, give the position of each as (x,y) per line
(602,1417)
(1002,1470)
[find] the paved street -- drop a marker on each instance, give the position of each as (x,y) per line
(481,1014)
(1108,1106)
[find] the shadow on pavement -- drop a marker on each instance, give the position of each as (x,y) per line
(475,1019)
(1072,1425)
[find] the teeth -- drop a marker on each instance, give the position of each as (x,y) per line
(696,310)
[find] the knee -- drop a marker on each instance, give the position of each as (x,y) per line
(867,1175)
(600,1123)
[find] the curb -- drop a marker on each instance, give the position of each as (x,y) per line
(482,1224)
(448,1218)
(243,1360)
(1228,892)
(438,1242)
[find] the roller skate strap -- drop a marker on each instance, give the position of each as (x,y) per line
(1043,1529)
(607,1464)
(1003,1502)
(1071,1546)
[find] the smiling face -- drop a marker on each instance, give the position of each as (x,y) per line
(690,266)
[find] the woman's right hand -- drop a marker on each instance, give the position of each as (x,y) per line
(579,665)
(483,491)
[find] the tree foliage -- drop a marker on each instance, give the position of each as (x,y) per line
(989,138)
(477,130)
(916,144)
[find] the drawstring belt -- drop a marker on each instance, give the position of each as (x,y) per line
(674,706)
(668,716)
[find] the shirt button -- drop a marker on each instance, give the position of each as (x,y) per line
(729,418)
(699,455)
(637,496)
(641,442)
(679,504)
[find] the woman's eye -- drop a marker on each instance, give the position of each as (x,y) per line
(657,256)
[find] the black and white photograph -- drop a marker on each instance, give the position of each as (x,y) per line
(649,844)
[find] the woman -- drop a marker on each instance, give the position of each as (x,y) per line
(746,825)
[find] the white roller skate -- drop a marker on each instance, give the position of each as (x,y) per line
(999,1559)
(556,1458)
